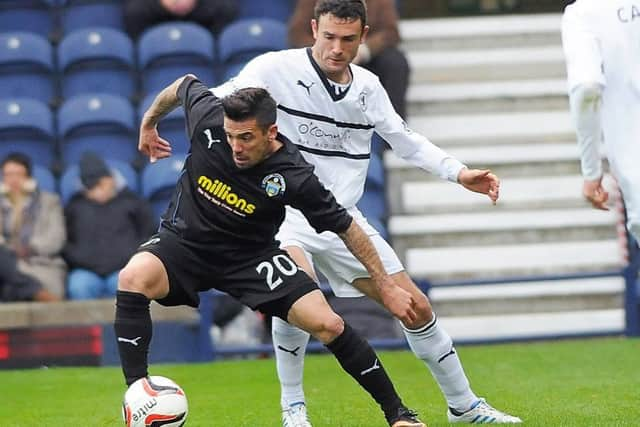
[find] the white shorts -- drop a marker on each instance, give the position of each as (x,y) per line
(329,255)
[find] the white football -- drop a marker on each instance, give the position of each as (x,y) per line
(155,402)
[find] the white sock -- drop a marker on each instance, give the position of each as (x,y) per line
(290,344)
(433,345)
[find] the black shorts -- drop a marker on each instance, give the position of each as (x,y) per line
(269,282)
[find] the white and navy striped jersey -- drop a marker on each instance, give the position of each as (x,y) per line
(332,124)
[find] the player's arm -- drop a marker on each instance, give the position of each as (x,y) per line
(586,81)
(585,101)
(150,143)
(419,151)
(396,299)
(324,213)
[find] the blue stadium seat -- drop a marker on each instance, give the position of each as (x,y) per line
(26,126)
(45,179)
(79,14)
(26,66)
(244,39)
(373,203)
(279,10)
(123,173)
(378,144)
(97,60)
(168,51)
(375,173)
(102,123)
(171,127)
(33,16)
(158,182)
(232,70)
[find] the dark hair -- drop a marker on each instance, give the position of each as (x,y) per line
(249,103)
(350,10)
(19,158)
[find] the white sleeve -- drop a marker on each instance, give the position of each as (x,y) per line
(585,102)
(409,145)
(253,74)
(581,49)
(585,79)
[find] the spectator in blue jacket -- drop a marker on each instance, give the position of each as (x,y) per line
(105,225)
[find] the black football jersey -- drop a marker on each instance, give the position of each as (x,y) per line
(219,207)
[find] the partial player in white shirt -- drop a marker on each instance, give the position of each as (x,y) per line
(330,108)
(601,41)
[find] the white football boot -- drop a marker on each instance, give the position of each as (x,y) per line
(295,416)
(482,413)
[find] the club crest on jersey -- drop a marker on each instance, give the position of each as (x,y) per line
(362,100)
(274,185)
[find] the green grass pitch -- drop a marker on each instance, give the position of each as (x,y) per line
(567,383)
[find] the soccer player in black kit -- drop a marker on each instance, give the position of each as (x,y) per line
(218,232)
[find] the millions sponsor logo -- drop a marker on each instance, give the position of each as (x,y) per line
(222,194)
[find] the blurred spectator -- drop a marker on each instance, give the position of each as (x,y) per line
(380,53)
(16,286)
(32,224)
(105,226)
(212,14)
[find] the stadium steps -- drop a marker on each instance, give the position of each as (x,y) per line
(496,227)
(484,48)
(500,96)
(491,64)
(527,325)
(498,261)
(508,160)
(525,193)
(491,128)
(535,297)
(491,91)
(479,32)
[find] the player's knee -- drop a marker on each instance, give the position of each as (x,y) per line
(423,306)
(329,328)
(424,312)
(132,279)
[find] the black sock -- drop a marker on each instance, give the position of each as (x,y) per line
(359,360)
(133,333)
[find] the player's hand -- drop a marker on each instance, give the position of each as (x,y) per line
(480,181)
(398,301)
(594,192)
(151,145)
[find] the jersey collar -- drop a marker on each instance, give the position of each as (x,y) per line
(325,81)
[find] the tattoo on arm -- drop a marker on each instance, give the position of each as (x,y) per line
(361,246)
(165,102)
